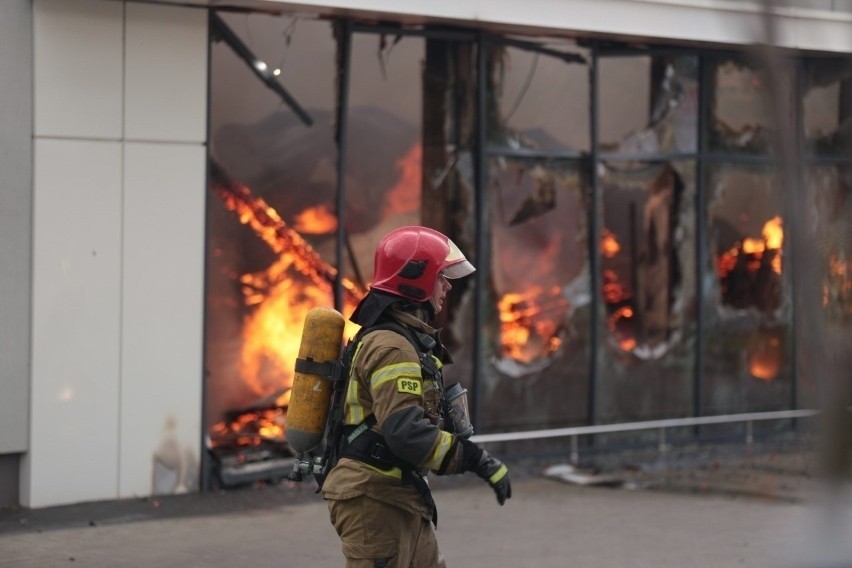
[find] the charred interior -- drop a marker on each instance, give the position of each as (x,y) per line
(625,223)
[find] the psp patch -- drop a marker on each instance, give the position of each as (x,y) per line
(410,386)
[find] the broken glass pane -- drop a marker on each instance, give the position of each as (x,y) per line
(648,104)
(747,305)
(648,275)
(538,335)
(830,194)
(449,125)
(409,162)
(536,100)
(384,175)
(272,188)
(739,118)
(827,106)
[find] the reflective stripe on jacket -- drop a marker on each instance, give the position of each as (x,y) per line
(386,380)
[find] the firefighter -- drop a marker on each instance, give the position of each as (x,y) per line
(396,424)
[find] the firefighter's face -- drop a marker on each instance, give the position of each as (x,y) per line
(442,286)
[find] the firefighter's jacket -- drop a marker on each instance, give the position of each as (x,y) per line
(386,380)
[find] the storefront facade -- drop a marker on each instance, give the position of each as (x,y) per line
(615,180)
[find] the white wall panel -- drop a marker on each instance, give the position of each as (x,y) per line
(75,327)
(163,283)
(78,50)
(166,73)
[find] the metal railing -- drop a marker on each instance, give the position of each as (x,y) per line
(660,425)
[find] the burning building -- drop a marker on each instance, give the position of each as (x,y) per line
(617,189)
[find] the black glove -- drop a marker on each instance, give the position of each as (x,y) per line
(488,468)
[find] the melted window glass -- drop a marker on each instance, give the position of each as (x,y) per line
(538,348)
(269,219)
(648,104)
(537,100)
(647,250)
(747,306)
(827,106)
(740,119)
(411,118)
(830,193)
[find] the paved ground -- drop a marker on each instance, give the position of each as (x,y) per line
(717,514)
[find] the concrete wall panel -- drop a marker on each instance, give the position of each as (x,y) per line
(76,327)
(166,73)
(79,52)
(163,293)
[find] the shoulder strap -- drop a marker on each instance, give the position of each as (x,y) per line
(423,345)
(336,439)
(422,342)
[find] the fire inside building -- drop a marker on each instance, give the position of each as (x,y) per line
(620,202)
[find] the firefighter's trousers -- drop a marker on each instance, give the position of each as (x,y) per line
(375,534)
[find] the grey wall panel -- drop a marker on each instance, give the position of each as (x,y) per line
(16,112)
(10,465)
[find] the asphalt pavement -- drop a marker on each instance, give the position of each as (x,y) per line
(658,518)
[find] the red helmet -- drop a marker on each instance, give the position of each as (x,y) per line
(409,260)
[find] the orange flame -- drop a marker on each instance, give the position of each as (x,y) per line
(317,220)
(837,287)
(613,290)
(773,233)
(771,240)
(404,197)
(765,356)
(618,297)
(250,428)
(626,342)
(281,296)
(609,244)
(528,325)
(272,332)
(282,239)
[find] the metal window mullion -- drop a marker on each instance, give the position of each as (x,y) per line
(205,479)
(649,157)
(830,160)
(594,237)
(739,159)
(533,153)
(700,233)
(342,119)
(795,217)
(481,236)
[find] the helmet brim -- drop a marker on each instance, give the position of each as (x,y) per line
(458,270)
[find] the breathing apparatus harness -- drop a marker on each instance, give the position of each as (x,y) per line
(359,441)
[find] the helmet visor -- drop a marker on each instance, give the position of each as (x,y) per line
(458,270)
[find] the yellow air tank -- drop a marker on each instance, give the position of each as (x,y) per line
(310,397)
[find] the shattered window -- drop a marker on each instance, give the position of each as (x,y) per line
(410,123)
(383,177)
(538,100)
(830,194)
(739,120)
(269,221)
(829,200)
(537,331)
(747,302)
(648,104)
(827,106)
(647,249)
